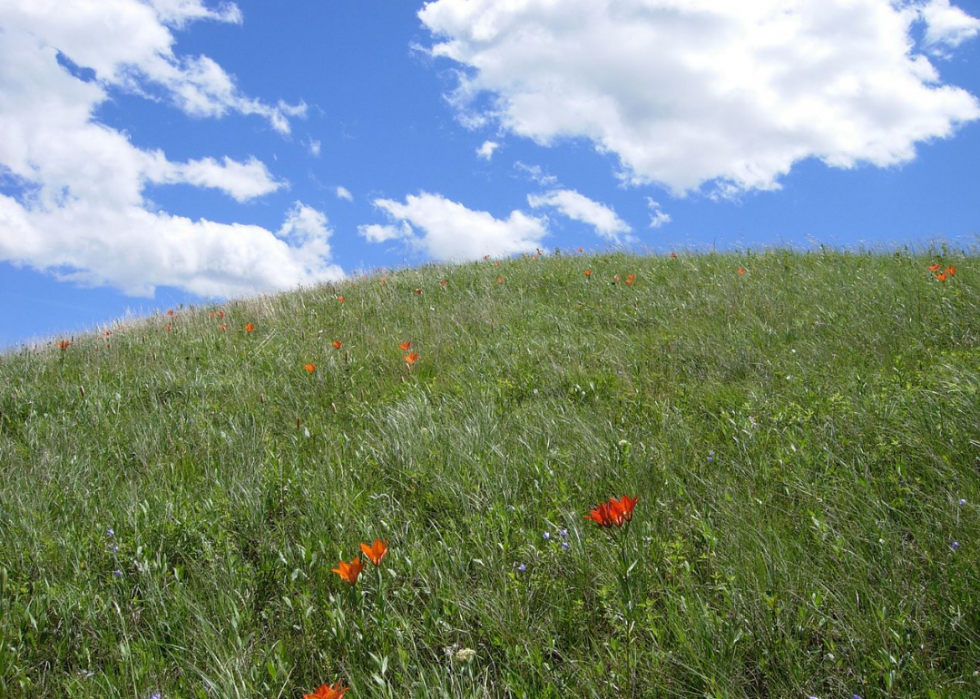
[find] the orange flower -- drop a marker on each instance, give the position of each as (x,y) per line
(349,571)
(613,511)
(588,272)
(934,267)
(406,345)
(249,327)
(630,278)
(310,368)
(337,344)
(497,263)
(418,292)
(741,270)
(221,314)
(941,277)
(64,344)
(328,692)
(223,326)
(211,314)
(673,255)
(107,333)
(340,299)
(443,282)
(384,280)
(376,551)
(169,328)
(951,270)
(411,358)
(500,280)
(170,313)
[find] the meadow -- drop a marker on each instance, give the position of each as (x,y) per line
(801,430)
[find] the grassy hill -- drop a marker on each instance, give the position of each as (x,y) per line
(802,437)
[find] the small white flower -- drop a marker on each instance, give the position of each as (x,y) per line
(464,655)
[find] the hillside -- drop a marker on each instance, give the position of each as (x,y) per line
(802,437)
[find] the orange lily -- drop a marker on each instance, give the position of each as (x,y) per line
(934,267)
(443,282)
(327,692)
(951,270)
(588,272)
(376,551)
(411,358)
(630,278)
(170,313)
(406,345)
(941,277)
(249,327)
(349,571)
(310,368)
(223,326)
(741,270)
(613,511)
(169,328)
(500,280)
(221,314)
(340,299)
(64,344)
(337,344)
(673,255)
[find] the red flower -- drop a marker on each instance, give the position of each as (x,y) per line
(406,345)
(613,511)
(384,280)
(170,313)
(223,326)
(934,267)
(951,270)
(673,255)
(376,551)
(941,277)
(337,344)
(64,344)
(443,282)
(326,692)
(249,327)
(630,278)
(221,314)
(500,280)
(349,571)
(169,328)
(411,358)
(310,368)
(340,299)
(741,270)
(588,272)
(418,292)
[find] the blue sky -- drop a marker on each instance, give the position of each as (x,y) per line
(159,152)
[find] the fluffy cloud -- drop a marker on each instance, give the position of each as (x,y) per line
(658,217)
(947,26)
(688,92)
(580,208)
(344,193)
(81,209)
(450,231)
(486,150)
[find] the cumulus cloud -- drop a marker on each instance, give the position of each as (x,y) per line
(658,217)
(486,150)
(344,193)
(79,207)
(580,208)
(446,230)
(947,26)
(689,92)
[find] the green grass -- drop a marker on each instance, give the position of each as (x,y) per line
(811,555)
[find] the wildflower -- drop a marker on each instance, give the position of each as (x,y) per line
(464,655)
(616,277)
(941,277)
(418,292)
(110,533)
(613,511)
(711,456)
(211,314)
(384,280)
(114,548)
(376,551)
(223,326)
(962,501)
(955,545)
(630,278)
(156,695)
(407,345)
(310,368)
(673,255)
(497,263)
(340,299)
(64,344)
(443,282)
(486,257)
(249,327)
(546,536)
(934,267)
(588,273)
(349,571)
(521,568)
(327,692)
(107,333)
(951,270)
(169,328)
(221,314)
(411,358)
(500,280)
(581,250)
(741,271)
(563,533)
(117,573)
(337,344)
(170,313)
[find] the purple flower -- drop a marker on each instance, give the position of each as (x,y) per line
(110,533)
(962,501)
(546,535)
(118,573)
(711,456)
(564,546)
(156,695)
(955,545)
(521,568)
(564,533)
(114,548)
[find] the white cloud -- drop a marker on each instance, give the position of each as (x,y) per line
(486,150)
(242,181)
(535,174)
(947,26)
(450,231)
(688,92)
(580,208)
(81,204)
(658,217)
(344,193)
(314,147)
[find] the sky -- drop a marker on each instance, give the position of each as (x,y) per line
(155,153)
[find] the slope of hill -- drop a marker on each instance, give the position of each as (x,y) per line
(802,437)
